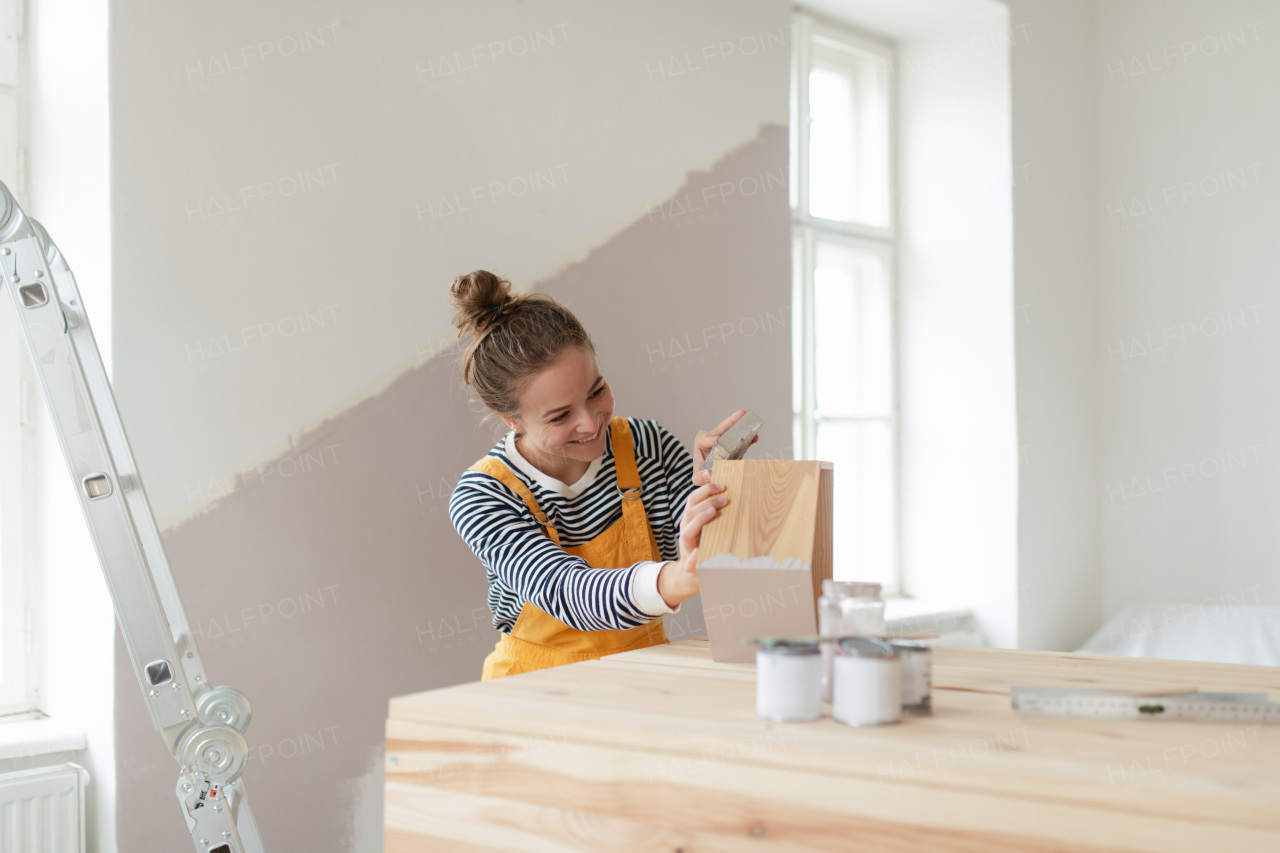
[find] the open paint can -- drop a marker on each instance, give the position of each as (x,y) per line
(788,680)
(866,684)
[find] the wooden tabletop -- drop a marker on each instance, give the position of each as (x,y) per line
(661,750)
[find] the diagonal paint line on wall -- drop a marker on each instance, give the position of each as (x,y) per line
(738,176)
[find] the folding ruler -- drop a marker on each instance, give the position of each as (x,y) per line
(1189,706)
(202,726)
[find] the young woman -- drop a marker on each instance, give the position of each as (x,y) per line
(587,524)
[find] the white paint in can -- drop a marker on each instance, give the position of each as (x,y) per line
(866,683)
(789,681)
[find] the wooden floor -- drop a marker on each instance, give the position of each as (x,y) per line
(661,750)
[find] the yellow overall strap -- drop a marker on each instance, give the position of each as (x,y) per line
(538,640)
(641,543)
(494,467)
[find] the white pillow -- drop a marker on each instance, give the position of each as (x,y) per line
(1209,631)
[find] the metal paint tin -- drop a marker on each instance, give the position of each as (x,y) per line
(917,678)
(866,685)
(846,609)
(788,680)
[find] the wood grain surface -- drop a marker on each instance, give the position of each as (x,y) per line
(660,750)
(772,511)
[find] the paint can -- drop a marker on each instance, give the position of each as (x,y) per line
(788,680)
(866,687)
(917,678)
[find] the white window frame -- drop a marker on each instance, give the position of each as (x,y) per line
(19,692)
(807,230)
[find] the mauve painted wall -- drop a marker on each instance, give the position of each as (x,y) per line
(332,580)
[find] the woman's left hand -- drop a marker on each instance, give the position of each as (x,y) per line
(706,440)
(678,581)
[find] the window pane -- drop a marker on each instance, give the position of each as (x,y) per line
(9,37)
(863,508)
(831,188)
(848,136)
(853,345)
(9,142)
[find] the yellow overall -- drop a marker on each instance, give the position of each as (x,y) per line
(539,640)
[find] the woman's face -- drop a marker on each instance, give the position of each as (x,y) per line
(564,412)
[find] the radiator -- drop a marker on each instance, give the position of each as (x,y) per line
(42,810)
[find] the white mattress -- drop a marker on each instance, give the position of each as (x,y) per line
(1209,631)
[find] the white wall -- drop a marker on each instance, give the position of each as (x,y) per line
(1188,210)
(1055,314)
(1145,204)
(959,439)
(68,188)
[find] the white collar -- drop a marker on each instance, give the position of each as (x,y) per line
(548,482)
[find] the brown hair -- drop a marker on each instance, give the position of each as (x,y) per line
(512,337)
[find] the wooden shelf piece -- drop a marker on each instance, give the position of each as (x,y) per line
(764,556)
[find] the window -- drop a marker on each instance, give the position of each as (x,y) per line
(16,670)
(15,587)
(845,399)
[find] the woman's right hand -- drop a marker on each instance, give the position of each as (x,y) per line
(706,440)
(679,580)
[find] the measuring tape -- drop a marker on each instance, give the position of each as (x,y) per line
(1126,705)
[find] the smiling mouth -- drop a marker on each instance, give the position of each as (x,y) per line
(592,439)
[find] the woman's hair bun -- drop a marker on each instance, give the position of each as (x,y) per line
(479,300)
(510,338)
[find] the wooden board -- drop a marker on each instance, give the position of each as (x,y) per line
(773,511)
(660,750)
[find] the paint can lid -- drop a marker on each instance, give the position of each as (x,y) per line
(867,647)
(784,645)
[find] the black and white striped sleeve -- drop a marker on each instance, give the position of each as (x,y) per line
(525,565)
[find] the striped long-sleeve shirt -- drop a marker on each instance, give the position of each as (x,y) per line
(521,562)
